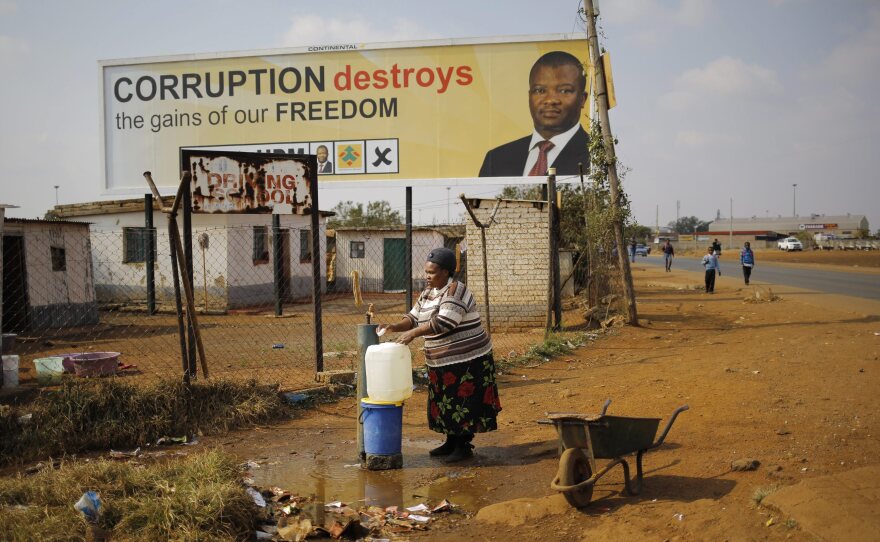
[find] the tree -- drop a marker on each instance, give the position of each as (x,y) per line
(526,192)
(378,213)
(641,233)
(689,224)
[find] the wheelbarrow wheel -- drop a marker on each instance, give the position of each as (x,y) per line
(574,469)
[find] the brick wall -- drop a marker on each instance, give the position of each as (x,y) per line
(518,263)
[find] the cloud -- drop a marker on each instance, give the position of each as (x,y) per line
(698,139)
(686,12)
(724,77)
(856,60)
(10,48)
(8,7)
(318,30)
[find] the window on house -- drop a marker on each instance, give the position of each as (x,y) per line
(59,259)
(357,249)
(305,246)
(134,241)
(261,244)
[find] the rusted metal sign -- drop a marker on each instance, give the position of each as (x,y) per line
(252,183)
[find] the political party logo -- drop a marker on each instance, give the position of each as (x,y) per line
(350,157)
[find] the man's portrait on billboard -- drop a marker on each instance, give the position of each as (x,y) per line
(557,95)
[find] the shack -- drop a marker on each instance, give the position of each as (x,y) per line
(47,275)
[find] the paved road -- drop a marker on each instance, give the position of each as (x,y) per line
(862,285)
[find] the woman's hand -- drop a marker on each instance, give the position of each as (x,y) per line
(407,337)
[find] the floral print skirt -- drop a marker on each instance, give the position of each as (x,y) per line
(463,397)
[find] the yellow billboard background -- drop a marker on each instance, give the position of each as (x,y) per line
(437,135)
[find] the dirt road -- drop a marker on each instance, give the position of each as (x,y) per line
(792,384)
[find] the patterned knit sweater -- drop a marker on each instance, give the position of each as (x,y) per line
(458,335)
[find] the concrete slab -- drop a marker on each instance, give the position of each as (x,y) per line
(844,506)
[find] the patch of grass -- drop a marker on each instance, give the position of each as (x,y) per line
(99,414)
(761,492)
(556,344)
(790,523)
(199,497)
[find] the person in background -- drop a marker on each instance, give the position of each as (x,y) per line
(462,393)
(747,259)
(710,262)
(716,247)
(632,249)
(668,254)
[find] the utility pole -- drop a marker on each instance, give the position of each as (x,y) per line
(629,296)
(794,201)
(448,220)
(657,221)
(677,210)
(56,195)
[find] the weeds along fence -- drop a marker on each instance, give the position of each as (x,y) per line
(71,288)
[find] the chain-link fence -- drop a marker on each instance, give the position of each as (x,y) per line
(71,289)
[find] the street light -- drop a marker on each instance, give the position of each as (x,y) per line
(794,200)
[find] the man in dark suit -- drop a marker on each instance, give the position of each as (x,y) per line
(324,165)
(557,94)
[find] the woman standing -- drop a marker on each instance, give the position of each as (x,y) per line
(462,394)
(747,259)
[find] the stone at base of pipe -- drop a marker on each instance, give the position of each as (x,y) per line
(383,462)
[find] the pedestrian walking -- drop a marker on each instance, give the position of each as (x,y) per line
(716,247)
(668,254)
(710,262)
(632,249)
(747,259)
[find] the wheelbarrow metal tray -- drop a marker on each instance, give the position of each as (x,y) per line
(611,436)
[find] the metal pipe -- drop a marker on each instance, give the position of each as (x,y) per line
(188,275)
(366,337)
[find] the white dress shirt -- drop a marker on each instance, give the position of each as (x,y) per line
(559,142)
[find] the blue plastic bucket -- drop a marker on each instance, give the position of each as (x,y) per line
(383,425)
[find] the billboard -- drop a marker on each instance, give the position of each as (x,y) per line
(420,110)
(242,182)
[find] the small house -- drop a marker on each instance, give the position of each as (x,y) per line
(233,265)
(47,275)
(378,254)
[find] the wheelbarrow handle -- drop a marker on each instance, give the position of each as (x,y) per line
(605,406)
(666,429)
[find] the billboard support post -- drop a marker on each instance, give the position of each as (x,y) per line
(629,296)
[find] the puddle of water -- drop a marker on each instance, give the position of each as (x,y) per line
(338,478)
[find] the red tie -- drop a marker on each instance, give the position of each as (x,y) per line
(540,167)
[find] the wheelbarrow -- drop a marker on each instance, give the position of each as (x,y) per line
(583,439)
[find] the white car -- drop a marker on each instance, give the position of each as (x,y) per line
(789,244)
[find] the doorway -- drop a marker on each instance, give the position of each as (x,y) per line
(15,298)
(393,265)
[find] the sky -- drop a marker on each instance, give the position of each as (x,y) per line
(716,99)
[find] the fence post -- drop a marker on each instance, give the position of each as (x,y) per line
(175,276)
(408,261)
(316,268)
(150,260)
(554,305)
(276,261)
(188,257)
